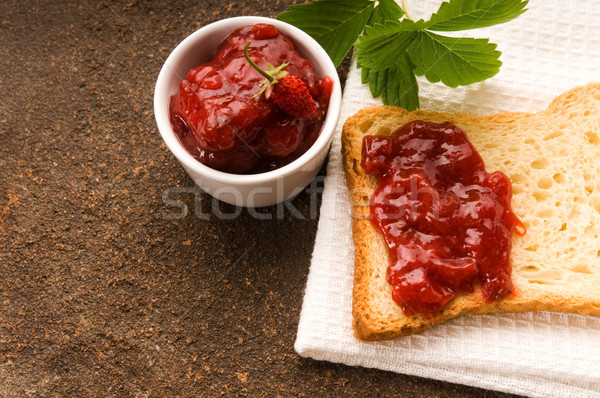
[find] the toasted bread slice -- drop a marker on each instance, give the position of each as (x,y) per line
(553,160)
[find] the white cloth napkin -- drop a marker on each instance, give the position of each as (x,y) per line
(551,48)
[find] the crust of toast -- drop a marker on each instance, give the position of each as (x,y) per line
(553,160)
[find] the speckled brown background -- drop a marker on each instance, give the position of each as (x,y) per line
(108,288)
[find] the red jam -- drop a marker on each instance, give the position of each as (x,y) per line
(219,118)
(446,221)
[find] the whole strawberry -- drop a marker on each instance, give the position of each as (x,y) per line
(286,91)
(292,96)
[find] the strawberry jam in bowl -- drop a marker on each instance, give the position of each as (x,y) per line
(224,120)
(248,105)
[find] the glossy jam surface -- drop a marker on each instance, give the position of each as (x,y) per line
(221,121)
(446,221)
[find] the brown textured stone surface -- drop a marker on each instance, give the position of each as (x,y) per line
(104,290)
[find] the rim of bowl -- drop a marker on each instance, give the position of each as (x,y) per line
(162,95)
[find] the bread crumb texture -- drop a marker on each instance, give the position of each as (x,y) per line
(553,161)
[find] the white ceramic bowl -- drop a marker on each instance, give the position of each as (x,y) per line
(252,190)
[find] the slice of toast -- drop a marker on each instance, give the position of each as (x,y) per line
(553,160)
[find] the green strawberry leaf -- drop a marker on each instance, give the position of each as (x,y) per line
(396,85)
(455,61)
(386,10)
(392,49)
(334,24)
(471,14)
(381,45)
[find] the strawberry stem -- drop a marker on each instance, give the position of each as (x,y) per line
(268,76)
(406,10)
